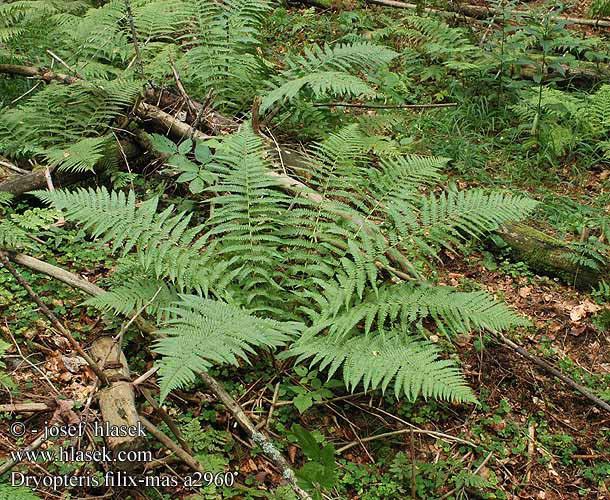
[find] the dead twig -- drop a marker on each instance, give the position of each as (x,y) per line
(168,443)
(167,419)
(14,168)
(144,377)
(34,445)
(25,408)
(384,106)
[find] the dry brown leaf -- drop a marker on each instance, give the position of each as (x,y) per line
(583,309)
(73,363)
(525,292)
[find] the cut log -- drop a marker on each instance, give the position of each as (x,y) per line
(549,256)
(117,400)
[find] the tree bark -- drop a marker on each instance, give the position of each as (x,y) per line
(549,256)
(117,400)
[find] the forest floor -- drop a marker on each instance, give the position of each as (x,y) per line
(530,436)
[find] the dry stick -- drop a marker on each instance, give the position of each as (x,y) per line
(63,63)
(435,434)
(242,419)
(25,408)
(413,467)
(34,445)
(12,167)
(32,365)
(385,106)
(168,420)
(134,36)
(33,72)
(168,443)
(260,439)
(383,435)
(551,369)
(47,312)
(142,378)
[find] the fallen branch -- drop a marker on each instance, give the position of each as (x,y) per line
(390,434)
(34,445)
(481,12)
(25,408)
(33,72)
(552,370)
(168,443)
(14,168)
(54,321)
(384,106)
(547,255)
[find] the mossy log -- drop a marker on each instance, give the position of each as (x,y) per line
(549,256)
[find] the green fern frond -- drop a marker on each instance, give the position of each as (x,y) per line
(321,84)
(81,156)
(406,304)
(328,71)
(11,492)
(222,46)
(13,237)
(377,360)
(60,115)
(132,296)
(248,207)
(165,245)
(358,56)
(204,332)
(450,218)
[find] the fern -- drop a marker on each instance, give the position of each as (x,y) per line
(326,71)
(406,304)
(70,136)
(153,295)
(11,492)
(167,248)
(205,332)
(449,219)
(599,8)
(247,211)
(376,360)
(78,157)
(6,382)
(321,84)
(222,49)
